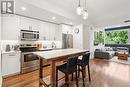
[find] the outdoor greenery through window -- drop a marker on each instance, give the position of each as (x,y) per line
(116,36)
(98,38)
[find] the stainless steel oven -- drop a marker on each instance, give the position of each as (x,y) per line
(29,35)
(29,62)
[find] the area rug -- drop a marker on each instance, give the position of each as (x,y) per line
(115,59)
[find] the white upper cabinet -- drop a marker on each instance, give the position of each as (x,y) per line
(29,24)
(58,32)
(52,32)
(44,31)
(66,29)
(10,27)
(49,31)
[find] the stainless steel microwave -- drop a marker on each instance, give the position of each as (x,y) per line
(29,35)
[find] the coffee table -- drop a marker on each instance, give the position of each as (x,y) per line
(123,55)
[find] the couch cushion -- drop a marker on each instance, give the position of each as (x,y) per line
(111,52)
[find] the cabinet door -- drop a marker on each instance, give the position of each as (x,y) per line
(29,24)
(10,64)
(66,29)
(58,32)
(52,31)
(24,23)
(45,29)
(10,28)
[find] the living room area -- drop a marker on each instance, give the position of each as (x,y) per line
(113,44)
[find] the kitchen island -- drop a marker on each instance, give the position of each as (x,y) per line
(54,56)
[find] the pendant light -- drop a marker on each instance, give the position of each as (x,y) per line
(79,9)
(85,13)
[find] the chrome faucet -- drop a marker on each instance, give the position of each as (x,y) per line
(53,45)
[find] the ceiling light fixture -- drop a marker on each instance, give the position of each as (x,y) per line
(85,13)
(23,8)
(79,9)
(53,17)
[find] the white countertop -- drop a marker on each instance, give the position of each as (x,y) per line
(4,52)
(58,53)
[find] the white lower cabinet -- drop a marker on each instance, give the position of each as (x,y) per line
(10,63)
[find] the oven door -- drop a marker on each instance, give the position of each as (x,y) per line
(30,62)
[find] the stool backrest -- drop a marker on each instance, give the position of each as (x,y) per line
(85,59)
(72,62)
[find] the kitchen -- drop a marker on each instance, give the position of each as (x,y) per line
(24,33)
(53,43)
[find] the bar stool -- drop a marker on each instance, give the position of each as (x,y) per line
(68,68)
(82,63)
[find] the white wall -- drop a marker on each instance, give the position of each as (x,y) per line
(0,52)
(82,39)
(78,37)
(92,47)
(86,37)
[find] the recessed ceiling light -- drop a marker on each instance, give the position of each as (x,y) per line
(23,8)
(53,17)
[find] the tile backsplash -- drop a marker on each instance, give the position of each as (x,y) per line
(8,42)
(47,44)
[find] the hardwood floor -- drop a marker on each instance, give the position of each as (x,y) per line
(103,74)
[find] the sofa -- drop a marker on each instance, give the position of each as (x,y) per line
(109,52)
(104,54)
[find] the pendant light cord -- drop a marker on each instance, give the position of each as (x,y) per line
(79,3)
(85,5)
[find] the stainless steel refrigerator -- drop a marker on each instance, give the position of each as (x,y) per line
(67,41)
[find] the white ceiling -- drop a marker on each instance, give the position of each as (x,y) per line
(101,12)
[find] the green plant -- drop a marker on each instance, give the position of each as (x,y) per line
(98,38)
(116,37)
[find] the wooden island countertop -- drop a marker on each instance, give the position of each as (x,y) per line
(55,56)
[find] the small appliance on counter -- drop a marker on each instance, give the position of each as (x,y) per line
(16,47)
(39,45)
(8,48)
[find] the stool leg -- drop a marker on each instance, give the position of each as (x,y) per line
(89,73)
(83,76)
(56,78)
(67,80)
(40,84)
(78,71)
(72,77)
(76,78)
